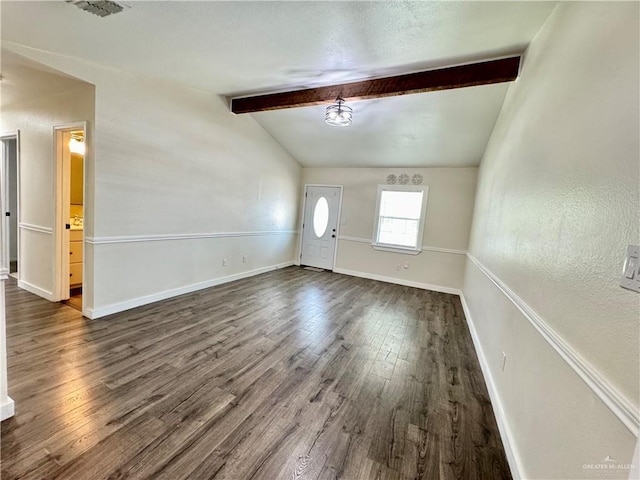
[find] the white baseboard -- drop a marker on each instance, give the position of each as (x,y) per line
(7,409)
(399,281)
(623,408)
(505,433)
(41,292)
(498,410)
(94,313)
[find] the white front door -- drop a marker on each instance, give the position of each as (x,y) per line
(319,227)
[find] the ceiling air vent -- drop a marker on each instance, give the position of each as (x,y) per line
(102,8)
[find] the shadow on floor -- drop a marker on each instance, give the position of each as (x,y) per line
(75,299)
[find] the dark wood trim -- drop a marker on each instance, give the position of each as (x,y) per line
(481,73)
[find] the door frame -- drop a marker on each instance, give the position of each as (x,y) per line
(62,200)
(304,209)
(4,202)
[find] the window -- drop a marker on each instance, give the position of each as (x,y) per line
(399,222)
(321,217)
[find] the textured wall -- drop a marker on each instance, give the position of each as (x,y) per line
(447,224)
(35,119)
(173,161)
(557,205)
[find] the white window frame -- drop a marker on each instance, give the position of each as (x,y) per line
(423,215)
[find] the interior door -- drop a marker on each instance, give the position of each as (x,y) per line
(8,204)
(4,208)
(319,227)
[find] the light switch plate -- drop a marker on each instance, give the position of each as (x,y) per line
(630,278)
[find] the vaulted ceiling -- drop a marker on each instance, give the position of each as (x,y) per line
(238,48)
(21,77)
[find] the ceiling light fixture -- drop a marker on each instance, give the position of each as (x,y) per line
(76,144)
(338,115)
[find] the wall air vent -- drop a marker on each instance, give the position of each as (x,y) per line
(102,8)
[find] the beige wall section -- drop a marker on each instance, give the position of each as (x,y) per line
(556,423)
(447,224)
(557,205)
(36,119)
(200,265)
(77,180)
(174,161)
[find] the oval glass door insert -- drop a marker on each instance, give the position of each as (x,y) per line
(320,217)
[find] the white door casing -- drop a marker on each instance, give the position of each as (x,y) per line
(5,201)
(320,226)
(62,187)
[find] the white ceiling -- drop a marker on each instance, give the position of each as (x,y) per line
(232,48)
(446,128)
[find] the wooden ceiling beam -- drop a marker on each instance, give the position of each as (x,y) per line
(481,73)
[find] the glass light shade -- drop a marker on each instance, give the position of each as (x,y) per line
(76,146)
(338,115)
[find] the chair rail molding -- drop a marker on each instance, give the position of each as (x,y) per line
(184,236)
(424,247)
(35,228)
(625,410)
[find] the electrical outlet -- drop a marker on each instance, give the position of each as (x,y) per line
(245,259)
(224,262)
(503,361)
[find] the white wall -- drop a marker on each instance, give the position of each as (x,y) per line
(172,161)
(36,118)
(180,185)
(447,225)
(557,204)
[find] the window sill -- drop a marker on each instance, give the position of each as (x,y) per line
(388,248)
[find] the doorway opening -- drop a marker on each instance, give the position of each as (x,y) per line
(10,166)
(320,226)
(70,159)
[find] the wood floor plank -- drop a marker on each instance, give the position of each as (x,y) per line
(291,374)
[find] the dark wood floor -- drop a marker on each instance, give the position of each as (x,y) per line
(75,299)
(290,374)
